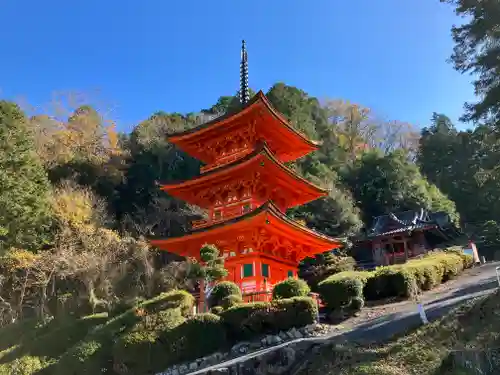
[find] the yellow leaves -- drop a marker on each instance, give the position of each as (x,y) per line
(15,259)
(73,206)
(112,139)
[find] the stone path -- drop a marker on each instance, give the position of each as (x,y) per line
(380,323)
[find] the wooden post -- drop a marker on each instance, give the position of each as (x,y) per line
(201,304)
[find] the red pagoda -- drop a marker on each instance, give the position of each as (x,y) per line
(245,189)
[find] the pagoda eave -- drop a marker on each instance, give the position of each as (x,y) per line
(196,141)
(265,230)
(251,170)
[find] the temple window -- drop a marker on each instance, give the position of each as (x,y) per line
(265,270)
(246,207)
(248,270)
(290,273)
(217,215)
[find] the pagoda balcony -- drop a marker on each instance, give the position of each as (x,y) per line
(226,159)
(224,214)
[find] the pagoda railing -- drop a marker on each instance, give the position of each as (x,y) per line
(228,213)
(226,159)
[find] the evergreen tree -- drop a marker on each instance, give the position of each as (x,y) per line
(389,183)
(477,51)
(25,219)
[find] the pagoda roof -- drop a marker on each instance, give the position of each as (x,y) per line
(267,218)
(290,144)
(294,190)
(396,223)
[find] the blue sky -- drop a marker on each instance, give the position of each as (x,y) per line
(139,57)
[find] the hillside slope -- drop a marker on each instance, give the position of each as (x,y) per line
(469,333)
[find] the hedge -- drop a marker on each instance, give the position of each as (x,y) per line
(348,289)
(171,300)
(407,280)
(289,288)
(149,351)
(391,281)
(201,335)
(340,290)
(246,321)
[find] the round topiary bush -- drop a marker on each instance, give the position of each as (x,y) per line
(291,288)
(221,291)
(338,291)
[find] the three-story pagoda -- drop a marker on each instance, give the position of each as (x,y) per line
(246,189)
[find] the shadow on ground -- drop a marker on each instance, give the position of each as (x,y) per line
(387,327)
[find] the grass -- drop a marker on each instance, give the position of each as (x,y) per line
(475,326)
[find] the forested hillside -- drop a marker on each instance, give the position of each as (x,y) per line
(79,199)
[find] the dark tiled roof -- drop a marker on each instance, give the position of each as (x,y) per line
(407,221)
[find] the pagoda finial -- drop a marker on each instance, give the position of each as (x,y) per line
(244,92)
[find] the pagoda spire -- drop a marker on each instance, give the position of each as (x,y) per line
(244,92)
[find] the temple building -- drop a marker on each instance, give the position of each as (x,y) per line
(396,237)
(246,188)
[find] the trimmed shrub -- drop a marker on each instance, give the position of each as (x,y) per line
(201,335)
(150,351)
(428,274)
(223,290)
(123,305)
(290,288)
(314,270)
(244,322)
(175,299)
(451,262)
(248,320)
(337,291)
(230,301)
(468,260)
(293,312)
(407,280)
(357,303)
(391,281)
(216,310)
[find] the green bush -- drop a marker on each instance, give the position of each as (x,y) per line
(123,305)
(247,321)
(451,262)
(201,335)
(216,310)
(293,312)
(291,288)
(468,260)
(357,303)
(314,270)
(337,291)
(428,274)
(170,300)
(391,281)
(25,365)
(407,280)
(144,350)
(221,291)
(230,301)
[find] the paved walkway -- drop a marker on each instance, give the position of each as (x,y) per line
(380,323)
